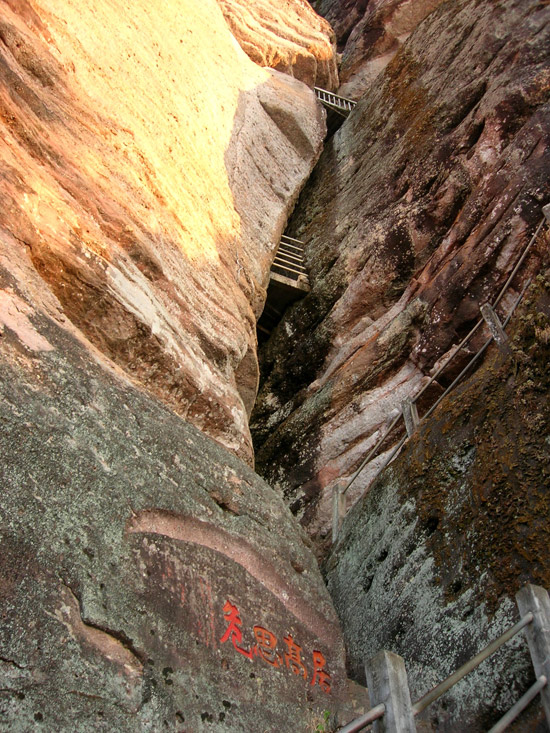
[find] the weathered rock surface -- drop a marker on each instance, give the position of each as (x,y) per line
(369,33)
(288,36)
(129,542)
(125,155)
(149,580)
(415,215)
(428,563)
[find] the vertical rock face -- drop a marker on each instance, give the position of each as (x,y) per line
(428,563)
(370,32)
(416,214)
(124,167)
(149,579)
(286,36)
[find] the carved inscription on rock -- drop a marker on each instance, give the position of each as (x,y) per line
(213,612)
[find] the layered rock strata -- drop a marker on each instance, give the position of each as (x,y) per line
(149,580)
(369,33)
(289,37)
(416,214)
(428,563)
(148,173)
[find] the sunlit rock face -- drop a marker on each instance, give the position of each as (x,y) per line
(149,579)
(147,174)
(286,36)
(416,214)
(369,33)
(429,562)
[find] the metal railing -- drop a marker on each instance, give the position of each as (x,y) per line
(342,105)
(409,412)
(388,684)
(289,260)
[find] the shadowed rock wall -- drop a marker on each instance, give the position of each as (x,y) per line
(428,563)
(369,34)
(416,214)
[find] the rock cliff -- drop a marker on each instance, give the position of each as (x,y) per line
(370,32)
(428,563)
(287,36)
(148,180)
(416,214)
(149,580)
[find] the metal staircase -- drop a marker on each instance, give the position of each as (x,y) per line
(332,101)
(287,283)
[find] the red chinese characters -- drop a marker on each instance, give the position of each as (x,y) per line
(320,676)
(266,646)
(266,649)
(293,657)
(233,630)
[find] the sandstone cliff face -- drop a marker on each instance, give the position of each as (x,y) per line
(148,176)
(369,33)
(428,563)
(287,36)
(417,212)
(149,580)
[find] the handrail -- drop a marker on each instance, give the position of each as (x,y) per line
(332,94)
(390,687)
(342,105)
(291,239)
(461,672)
(519,706)
(363,720)
(464,341)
